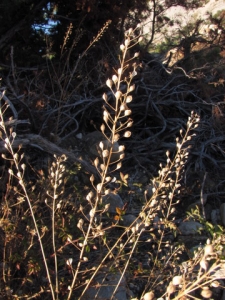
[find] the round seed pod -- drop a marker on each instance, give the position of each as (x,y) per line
(177,280)
(206,292)
(209,249)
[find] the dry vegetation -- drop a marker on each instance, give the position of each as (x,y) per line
(163,150)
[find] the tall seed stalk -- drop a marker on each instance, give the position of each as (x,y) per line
(117,120)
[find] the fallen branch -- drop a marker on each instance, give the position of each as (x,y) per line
(37,141)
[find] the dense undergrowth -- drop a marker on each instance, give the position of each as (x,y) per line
(161,149)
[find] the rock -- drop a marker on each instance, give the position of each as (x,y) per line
(92,141)
(208,211)
(104,286)
(198,204)
(222,213)
(114,200)
(190,227)
(127,220)
(215,216)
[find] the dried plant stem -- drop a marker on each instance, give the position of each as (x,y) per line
(112,121)
(19,176)
(81,258)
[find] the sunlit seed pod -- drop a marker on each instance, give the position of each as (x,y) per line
(105,97)
(96,162)
(92,213)
(127,112)
(118,94)
(130,30)
(19,175)
(69,261)
(149,296)
(215,284)
(177,280)
(105,116)
(127,134)
(132,88)
(130,124)
(10,171)
(147,223)
(178,145)
(122,47)
(208,250)
(127,42)
(206,292)
(136,54)
(122,107)
(89,196)
(119,165)
(101,145)
(15,156)
(129,99)
(102,128)
(204,264)
(121,148)
(108,179)
(114,79)
(109,83)
(107,191)
(119,71)
(140,39)
(122,156)
(105,113)
(103,167)
(80,224)
(105,153)
(133,229)
(116,137)
(92,178)
(153,203)
(133,74)
(85,259)
(172,210)
(107,206)
(99,187)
